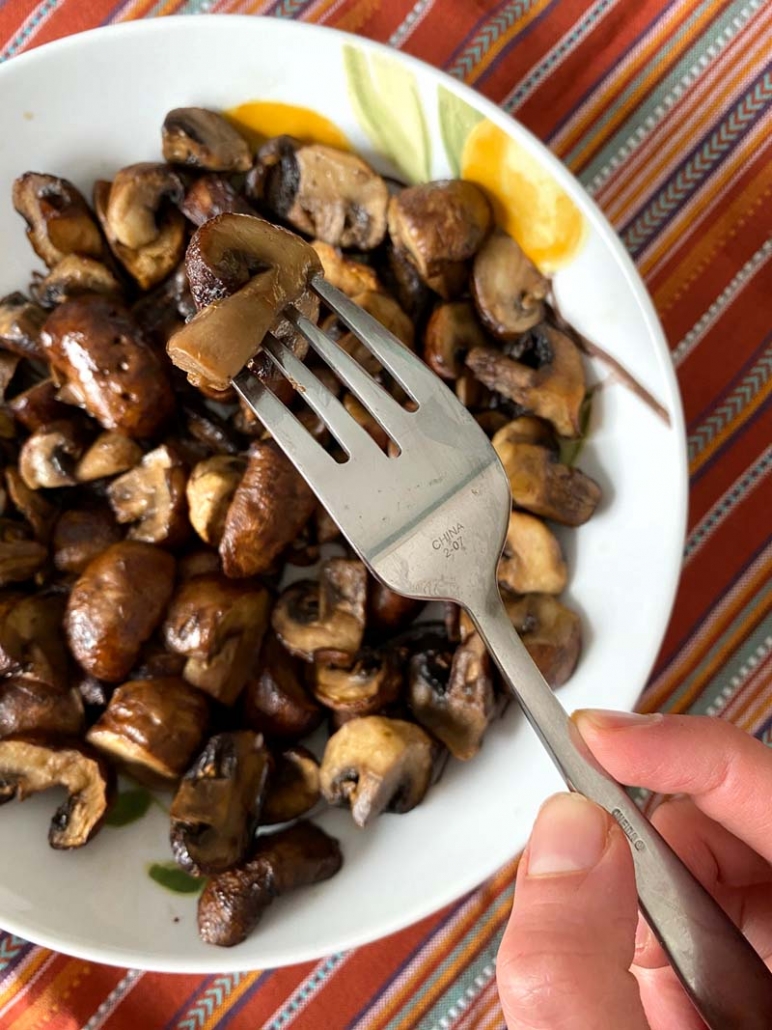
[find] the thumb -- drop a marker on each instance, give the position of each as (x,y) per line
(565,958)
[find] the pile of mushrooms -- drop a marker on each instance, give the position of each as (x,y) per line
(147,521)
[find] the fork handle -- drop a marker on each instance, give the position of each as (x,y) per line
(725,978)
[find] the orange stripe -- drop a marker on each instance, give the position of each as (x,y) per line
(729,430)
(135,11)
(483,1011)
(504,39)
(491,1017)
(752,702)
(237,992)
(319,11)
(354,19)
(48,1004)
(22,976)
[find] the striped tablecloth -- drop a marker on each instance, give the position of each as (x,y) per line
(663,108)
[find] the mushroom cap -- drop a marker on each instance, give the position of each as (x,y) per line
(136,195)
(274,699)
(551,632)
(28,706)
(533,560)
(210,490)
(452,331)
(198,137)
(109,455)
(59,221)
(20,325)
(82,534)
(372,682)
(294,786)
(151,498)
(508,290)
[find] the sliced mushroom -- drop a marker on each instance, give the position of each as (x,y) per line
(551,632)
(30,707)
(28,767)
(59,221)
(217,805)
(152,728)
(350,276)
(210,490)
(20,557)
(116,604)
(39,512)
(204,139)
(232,903)
(135,200)
(209,429)
(218,625)
(48,457)
(109,455)
(37,406)
(151,498)
(20,325)
(543,486)
(274,700)
(109,369)
(388,611)
(211,195)
(330,615)
(31,640)
(533,560)
(271,505)
(324,192)
(508,289)
(372,683)
(452,331)
(82,534)
(376,764)
(402,279)
(527,429)
(73,276)
(388,312)
(294,787)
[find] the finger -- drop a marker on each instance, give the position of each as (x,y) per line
(665,1002)
(565,958)
(727,772)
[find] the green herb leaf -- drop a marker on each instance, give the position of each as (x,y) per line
(170,876)
(130,805)
(571,449)
(457,119)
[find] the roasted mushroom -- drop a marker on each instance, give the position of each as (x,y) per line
(73,276)
(232,903)
(116,604)
(109,455)
(82,534)
(38,406)
(201,138)
(20,557)
(294,787)
(59,221)
(370,684)
(28,706)
(274,700)
(551,633)
(218,625)
(330,615)
(388,611)
(32,505)
(49,456)
(152,728)
(324,192)
(346,274)
(508,289)
(31,640)
(151,498)
(271,505)
(210,490)
(211,195)
(452,331)
(533,560)
(217,805)
(20,325)
(376,764)
(30,766)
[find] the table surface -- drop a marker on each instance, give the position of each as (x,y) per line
(663,109)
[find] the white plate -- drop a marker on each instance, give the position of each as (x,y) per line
(86,106)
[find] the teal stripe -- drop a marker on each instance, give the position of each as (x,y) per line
(207,1003)
(465,989)
(735,669)
(311,985)
(465,63)
(21,38)
(10,946)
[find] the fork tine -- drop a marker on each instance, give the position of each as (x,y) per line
(350,435)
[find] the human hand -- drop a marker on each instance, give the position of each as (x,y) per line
(575,956)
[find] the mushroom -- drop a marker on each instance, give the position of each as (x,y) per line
(59,221)
(271,505)
(243,272)
(551,632)
(274,700)
(508,290)
(48,457)
(533,560)
(38,511)
(37,406)
(201,562)
(543,486)
(294,787)
(370,684)
(31,640)
(440,225)
(451,332)
(454,699)
(151,497)
(330,615)
(345,273)
(210,490)
(99,352)
(30,766)
(527,429)
(30,707)
(216,807)
(388,611)
(553,390)
(367,421)
(20,325)
(321,191)
(73,276)
(232,903)
(115,605)
(20,557)
(208,429)
(110,454)
(82,534)
(201,138)
(403,280)
(376,764)
(218,625)
(211,195)
(388,312)
(152,728)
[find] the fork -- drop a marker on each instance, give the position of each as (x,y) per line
(430,523)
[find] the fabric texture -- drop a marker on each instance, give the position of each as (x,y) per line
(663,109)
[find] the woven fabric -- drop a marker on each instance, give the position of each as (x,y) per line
(663,109)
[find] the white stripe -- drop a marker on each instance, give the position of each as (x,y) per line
(413,19)
(743,674)
(304,993)
(113,1000)
(456,1010)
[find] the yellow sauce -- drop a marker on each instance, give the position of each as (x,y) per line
(258,120)
(527,201)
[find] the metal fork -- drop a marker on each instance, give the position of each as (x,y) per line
(430,523)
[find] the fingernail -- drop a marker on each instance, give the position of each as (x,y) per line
(570,835)
(605,719)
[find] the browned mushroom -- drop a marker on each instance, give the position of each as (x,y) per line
(59,220)
(551,632)
(388,312)
(200,562)
(30,707)
(20,325)
(330,615)
(451,332)
(210,490)
(71,277)
(533,560)
(151,498)
(508,289)
(20,557)
(218,625)
(376,764)
(204,139)
(211,195)
(109,455)
(152,728)
(294,787)
(361,415)
(232,903)
(116,604)
(31,640)
(271,505)
(49,456)
(322,191)
(372,683)
(37,406)
(109,369)
(274,700)
(388,611)
(527,429)
(217,805)
(38,511)
(402,279)
(29,766)
(82,534)
(346,274)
